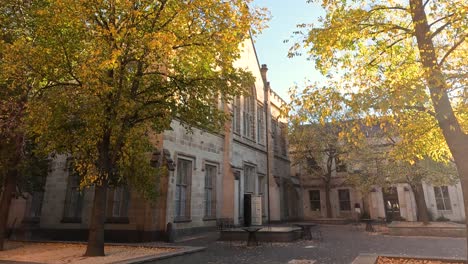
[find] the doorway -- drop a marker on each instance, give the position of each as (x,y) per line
(391,204)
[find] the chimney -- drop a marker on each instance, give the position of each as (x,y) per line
(263,71)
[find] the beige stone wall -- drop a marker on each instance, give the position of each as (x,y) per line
(201,148)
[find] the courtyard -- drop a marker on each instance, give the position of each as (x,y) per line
(340,244)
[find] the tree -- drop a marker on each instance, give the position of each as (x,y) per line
(314,136)
(373,164)
(21,168)
(114,72)
(400,59)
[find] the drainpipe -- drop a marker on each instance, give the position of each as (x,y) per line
(266,92)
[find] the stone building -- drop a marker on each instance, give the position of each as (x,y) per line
(210,179)
(396,202)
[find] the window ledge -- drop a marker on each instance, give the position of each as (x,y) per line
(209,218)
(117,220)
(182,220)
(71,220)
(31,220)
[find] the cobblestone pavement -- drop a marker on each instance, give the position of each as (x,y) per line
(341,244)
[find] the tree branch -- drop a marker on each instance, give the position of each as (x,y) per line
(454,47)
(440,19)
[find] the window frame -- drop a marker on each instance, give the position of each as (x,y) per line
(249,178)
(211,187)
(347,201)
(446,201)
(73,204)
(260,124)
(318,201)
(183,214)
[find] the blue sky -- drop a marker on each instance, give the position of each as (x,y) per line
(284,72)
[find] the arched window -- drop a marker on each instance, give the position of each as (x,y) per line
(249,115)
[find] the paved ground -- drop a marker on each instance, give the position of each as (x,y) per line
(341,244)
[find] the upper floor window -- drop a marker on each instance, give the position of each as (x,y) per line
(442,198)
(249,115)
(260,124)
(236,115)
(282,138)
(274,135)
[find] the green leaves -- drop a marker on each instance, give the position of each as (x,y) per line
(112,72)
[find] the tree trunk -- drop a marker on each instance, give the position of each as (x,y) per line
(421,210)
(327,200)
(7,195)
(455,137)
(95,245)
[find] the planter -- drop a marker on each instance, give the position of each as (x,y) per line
(394,259)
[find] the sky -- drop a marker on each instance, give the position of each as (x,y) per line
(284,72)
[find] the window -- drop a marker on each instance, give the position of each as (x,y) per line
(249,179)
(261,192)
(249,116)
(314,196)
(119,198)
(260,124)
(236,115)
(183,182)
(345,202)
(210,191)
(274,135)
(73,197)
(282,138)
(340,165)
(442,198)
(34,205)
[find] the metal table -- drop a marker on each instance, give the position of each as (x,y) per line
(252,238)
(369,227)
(306,229)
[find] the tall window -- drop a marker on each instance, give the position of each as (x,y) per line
(442,198)
(260,124)
(274,135)
(73,197)
(249,179)
(34,205)
(345,201)
(118,200)
(282,138)
(249,116)
(183,182)
(236,115)
(210,190)
(261,191)
(314,196)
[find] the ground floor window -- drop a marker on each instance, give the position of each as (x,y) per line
(314,196)
(345,201)
(118,200)
(183,189)
(210,190)
(74,196)
(442,198)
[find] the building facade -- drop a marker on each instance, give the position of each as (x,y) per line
(394,202)
(211,177)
